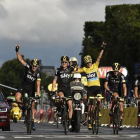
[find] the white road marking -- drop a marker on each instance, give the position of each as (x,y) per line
(23,137)
(73,136)
(2,137)
(92,136)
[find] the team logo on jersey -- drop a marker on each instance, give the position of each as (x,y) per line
(92,76)
(30,77)
(65,75)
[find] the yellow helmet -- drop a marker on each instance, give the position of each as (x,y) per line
(87,59)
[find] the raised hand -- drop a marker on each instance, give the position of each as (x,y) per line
(17,47)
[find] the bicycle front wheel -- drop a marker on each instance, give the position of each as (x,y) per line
(95,121)
(57,119)
(96,126)
(65,125)
(29,121)
(116,120)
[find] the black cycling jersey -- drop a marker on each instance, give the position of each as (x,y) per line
(64,77)
(29,76)
(137,83)
(28,84)
(114,82)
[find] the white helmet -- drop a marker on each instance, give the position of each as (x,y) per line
(73,59)
(77,75)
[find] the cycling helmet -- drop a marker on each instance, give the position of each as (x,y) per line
(34,62)
(77,76)
(116,66)
(73,59)
(64,58)
(87,59)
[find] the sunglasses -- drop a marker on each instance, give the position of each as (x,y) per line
(34,66)
(64,62)
(88,63)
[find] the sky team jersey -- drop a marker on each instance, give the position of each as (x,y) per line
(64,77)
(29,76)
(115,82)
(92,74)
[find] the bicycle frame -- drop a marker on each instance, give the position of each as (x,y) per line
(64,113)
(95,114)
(116,116)
(28,117)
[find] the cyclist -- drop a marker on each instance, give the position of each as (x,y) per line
(113,84)
(92,74)
(63,77)
(31,75)
(137,91)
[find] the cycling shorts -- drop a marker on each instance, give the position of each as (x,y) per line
(66,92)
(93,91)
(30,90)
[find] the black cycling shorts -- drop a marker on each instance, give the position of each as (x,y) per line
(30,90)
(66,92)
(117,91)
(93,91)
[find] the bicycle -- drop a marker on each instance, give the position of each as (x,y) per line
(27,103)
(64,113)
(56,109)
(138,118)
(95,114)
(116,115)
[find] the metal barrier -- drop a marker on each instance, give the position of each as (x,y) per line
(37,117)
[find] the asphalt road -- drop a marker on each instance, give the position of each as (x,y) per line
(49,131)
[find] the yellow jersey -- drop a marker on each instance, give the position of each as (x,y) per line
(92,74)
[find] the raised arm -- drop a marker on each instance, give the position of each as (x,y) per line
(19,55)
(101,52)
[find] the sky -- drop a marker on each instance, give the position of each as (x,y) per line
(48,29)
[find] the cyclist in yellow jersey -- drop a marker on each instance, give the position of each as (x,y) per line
(92,73)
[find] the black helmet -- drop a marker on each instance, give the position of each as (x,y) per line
(34,62)
(64,58)
(116,66)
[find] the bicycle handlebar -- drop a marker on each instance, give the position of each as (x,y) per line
(58,97)
(96,97)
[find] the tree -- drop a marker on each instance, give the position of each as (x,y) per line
(11,74)
(121,32)
(45,81)
(122,26)
(93,37)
